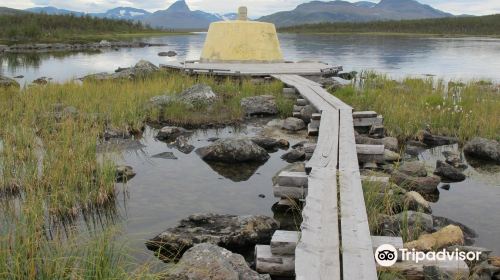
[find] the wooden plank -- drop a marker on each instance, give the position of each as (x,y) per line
(312,130)
(289,192)
(357,255)
(292,179)
(370,149)
(301,102)
(316,116)
(284,242)
(318,251)
(364,114)
(368,121)
(327,145)
(266,262)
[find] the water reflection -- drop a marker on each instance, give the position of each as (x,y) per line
(398,56)
(240,172)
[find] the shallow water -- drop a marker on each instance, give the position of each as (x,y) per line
(398,56)
(474,202)
(165,191)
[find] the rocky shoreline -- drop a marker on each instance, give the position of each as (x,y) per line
(67,47)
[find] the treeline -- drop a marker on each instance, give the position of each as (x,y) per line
(34,27)
(483,25)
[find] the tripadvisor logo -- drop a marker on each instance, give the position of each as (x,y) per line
(387,255)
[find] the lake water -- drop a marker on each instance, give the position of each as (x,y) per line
(398,56)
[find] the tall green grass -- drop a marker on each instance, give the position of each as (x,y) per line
(51,175)
(464,110)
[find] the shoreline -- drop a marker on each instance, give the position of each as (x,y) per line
(394,34)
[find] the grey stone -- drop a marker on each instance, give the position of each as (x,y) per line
(170,133)
(434,273)
(124,173)
(199,94)
(453,158)
(391,143)
(169,54)
(414,201)
(259,105)
(436,140)
(307,112)
(233,150)
(413,168)
(181,143)
(391,156)
(448,172)
(235,233)
(294,155)
(270,143)
(414,222)
(483,149)
(207,261)
(294,124)
(422,185)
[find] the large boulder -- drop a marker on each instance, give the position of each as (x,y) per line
(294,155)
(259,105)
(448,172)
(233,150)
(199,94)
(391,143)
(208,261)
(447,236)
(483,149)
(8,82)
(422,185)
(141,69)
(235,233)
(146,66)
(294,124)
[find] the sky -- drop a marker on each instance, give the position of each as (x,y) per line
(256,7)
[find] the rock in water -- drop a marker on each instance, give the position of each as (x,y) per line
(422,185)
(235,233)
(8,82)
(123,173)
(182,144)
(414,201)
(259,105)
(448,172)
(483,149)
(294,124)
(436,140)
(453,158)
(294,155)
(146,66)
(271,143)
(208,261)
(199,94)
(170,133)
(448,236)
(169,53)
(233,150)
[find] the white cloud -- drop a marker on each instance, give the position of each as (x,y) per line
(256,7)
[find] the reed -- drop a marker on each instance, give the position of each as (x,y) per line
(464,110)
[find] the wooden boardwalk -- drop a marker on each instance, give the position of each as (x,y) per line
(335,240)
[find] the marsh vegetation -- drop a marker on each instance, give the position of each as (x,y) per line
(52,180)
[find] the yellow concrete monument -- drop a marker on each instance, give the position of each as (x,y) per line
(242,40)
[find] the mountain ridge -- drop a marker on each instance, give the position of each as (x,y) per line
(180,16)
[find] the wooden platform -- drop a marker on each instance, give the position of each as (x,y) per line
(254,69)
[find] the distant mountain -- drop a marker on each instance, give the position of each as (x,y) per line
(53,11)
(230,16)
(343,11)
(10,11)
(126,13)
(179,16)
